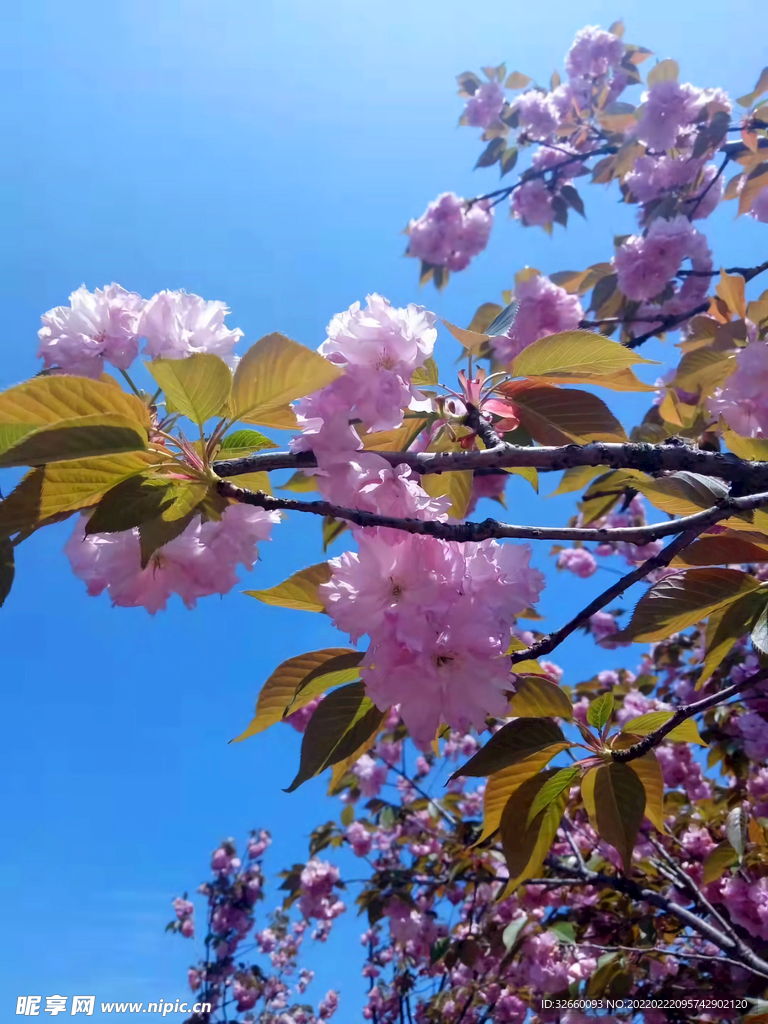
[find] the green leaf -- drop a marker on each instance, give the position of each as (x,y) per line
(664,71)
(574,352)
(426,375)
(512,743)
(492,153)
(725,627)
(619,808)
(456,486)
(511,933)
(508,160)
(679,493)
(332,530)
(564,930)
(517,80)
(155,533)
(47,401)
(348,815)
(342,669)
(648,770)
(717,862)
(197,386)
(243,442)
(703,370)
(278,692)
(274,372)
(759,634)
(341,722)
(86,437)
(64,487)
(502,785)
(536,698)
(130,503)
(722,549)
(525,849)
(599,711)
(644,725)
(682,600)
(300,482)
(552,789)
(760,88)
(298,591)
(577,478)
(735,829)
(557,416)
(7,569)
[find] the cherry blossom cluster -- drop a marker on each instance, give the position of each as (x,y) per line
(229,977)
(107,325)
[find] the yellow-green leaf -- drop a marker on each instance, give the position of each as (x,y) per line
(760,88)
(574,352)
(513,742)
(243,442)
(82,438)
(525,848)
(619,807)
(576,478)
(536,697)
(717,862)
(599,710)
(722,549)
(65,487)
(274,372)
(456,486)
(46,401)
(703,370)
(198,386)
(664,71)
(644,725)
(725,627)
(135,500)
(472,341)
(298,591)
(552,788)
(683,599)
(648,770)
(277,694)
(344,720)
(501,785)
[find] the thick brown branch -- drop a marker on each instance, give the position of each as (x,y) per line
(681,714)
(649,458)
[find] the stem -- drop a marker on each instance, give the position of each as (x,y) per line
(132,386)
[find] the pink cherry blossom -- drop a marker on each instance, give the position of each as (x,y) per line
(300,719)
(742,400)
(370,775)
(536,114)
(359,839)
(668,108)
(96,326)
(747,904)
(645,264)
(543,309)
(318,879)
(200,562)
(483,108)
(179,324)
(593,53)
(579,561)
(532,203)
(450,232)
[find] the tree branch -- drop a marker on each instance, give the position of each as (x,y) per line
(649,458)
(681,714)
(663,558)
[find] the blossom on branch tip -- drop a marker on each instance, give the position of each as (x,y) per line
(178,324)
(543,309)
(450,232)
(579,561)
(484,107)
(96,327)
(742,400)
(593,53)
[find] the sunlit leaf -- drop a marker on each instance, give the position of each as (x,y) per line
(574,352)
(243,442)
(648,770)
(197,386)
(525,848)
(129,504)
(644,725)
(730,288)
(664,71)
(513,742)
(760,88)
(471,340)
(683,599)
(619,807)
(517,80)
(554,415)
(725,627)
(501,785)
(576,478)
(538,697)
(82,438)
(298,591)
(274,372)
(721,549)
(47,401)
(341,722)
(717,862)
(277,694)
(552,789)
(599,710)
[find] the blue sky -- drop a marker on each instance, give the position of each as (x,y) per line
(266,154)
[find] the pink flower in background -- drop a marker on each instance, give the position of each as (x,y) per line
(757,787)
(594,52)
(747,904)
(96,326)
(484,107)
(370,775)
(179,324)
(300,719)
(759,208)
(602,626)
(360,839)
(488,484)
(318,879)
(450,233)
(579,561)
(536,114)
(532,204)
(543,309)
(742,400)
(645,264)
